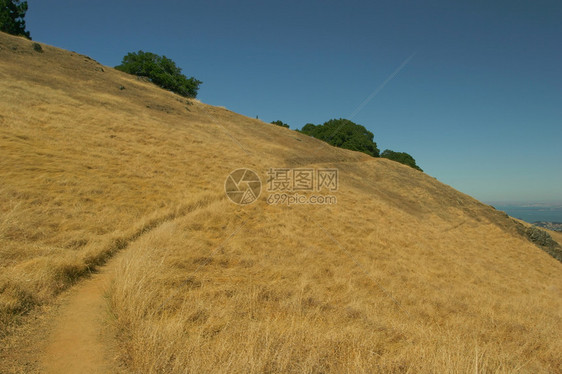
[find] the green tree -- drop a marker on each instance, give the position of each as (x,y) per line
(344,134)
(12,13)
(280,123)
(161,71)
(401,157)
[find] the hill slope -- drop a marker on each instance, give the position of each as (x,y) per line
(402,274)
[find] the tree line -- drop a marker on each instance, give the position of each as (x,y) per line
(343,133)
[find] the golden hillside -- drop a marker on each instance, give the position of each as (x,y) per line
(403,274)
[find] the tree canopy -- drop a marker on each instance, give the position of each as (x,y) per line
(344,134)
(401,157)
(161,71)
(12,13)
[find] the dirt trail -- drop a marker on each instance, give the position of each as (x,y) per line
(81,339)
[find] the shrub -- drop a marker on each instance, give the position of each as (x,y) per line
(344,134)
(280,123)
(401,157)
(161,71)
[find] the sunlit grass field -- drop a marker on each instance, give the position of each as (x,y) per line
(403,274)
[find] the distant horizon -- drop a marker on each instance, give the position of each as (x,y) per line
(525,204)
(532,213)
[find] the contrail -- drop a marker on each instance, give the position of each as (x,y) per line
(381,86)
(375,92)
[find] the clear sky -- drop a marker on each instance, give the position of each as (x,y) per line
(471,89)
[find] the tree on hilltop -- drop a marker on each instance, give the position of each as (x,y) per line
(401,157)
(280,123)
(161,71)
(12,13)
(344,134)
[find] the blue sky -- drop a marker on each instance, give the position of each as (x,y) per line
(478,104)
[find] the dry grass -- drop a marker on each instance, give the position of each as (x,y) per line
(404,274)
(556,235)
(282,296)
